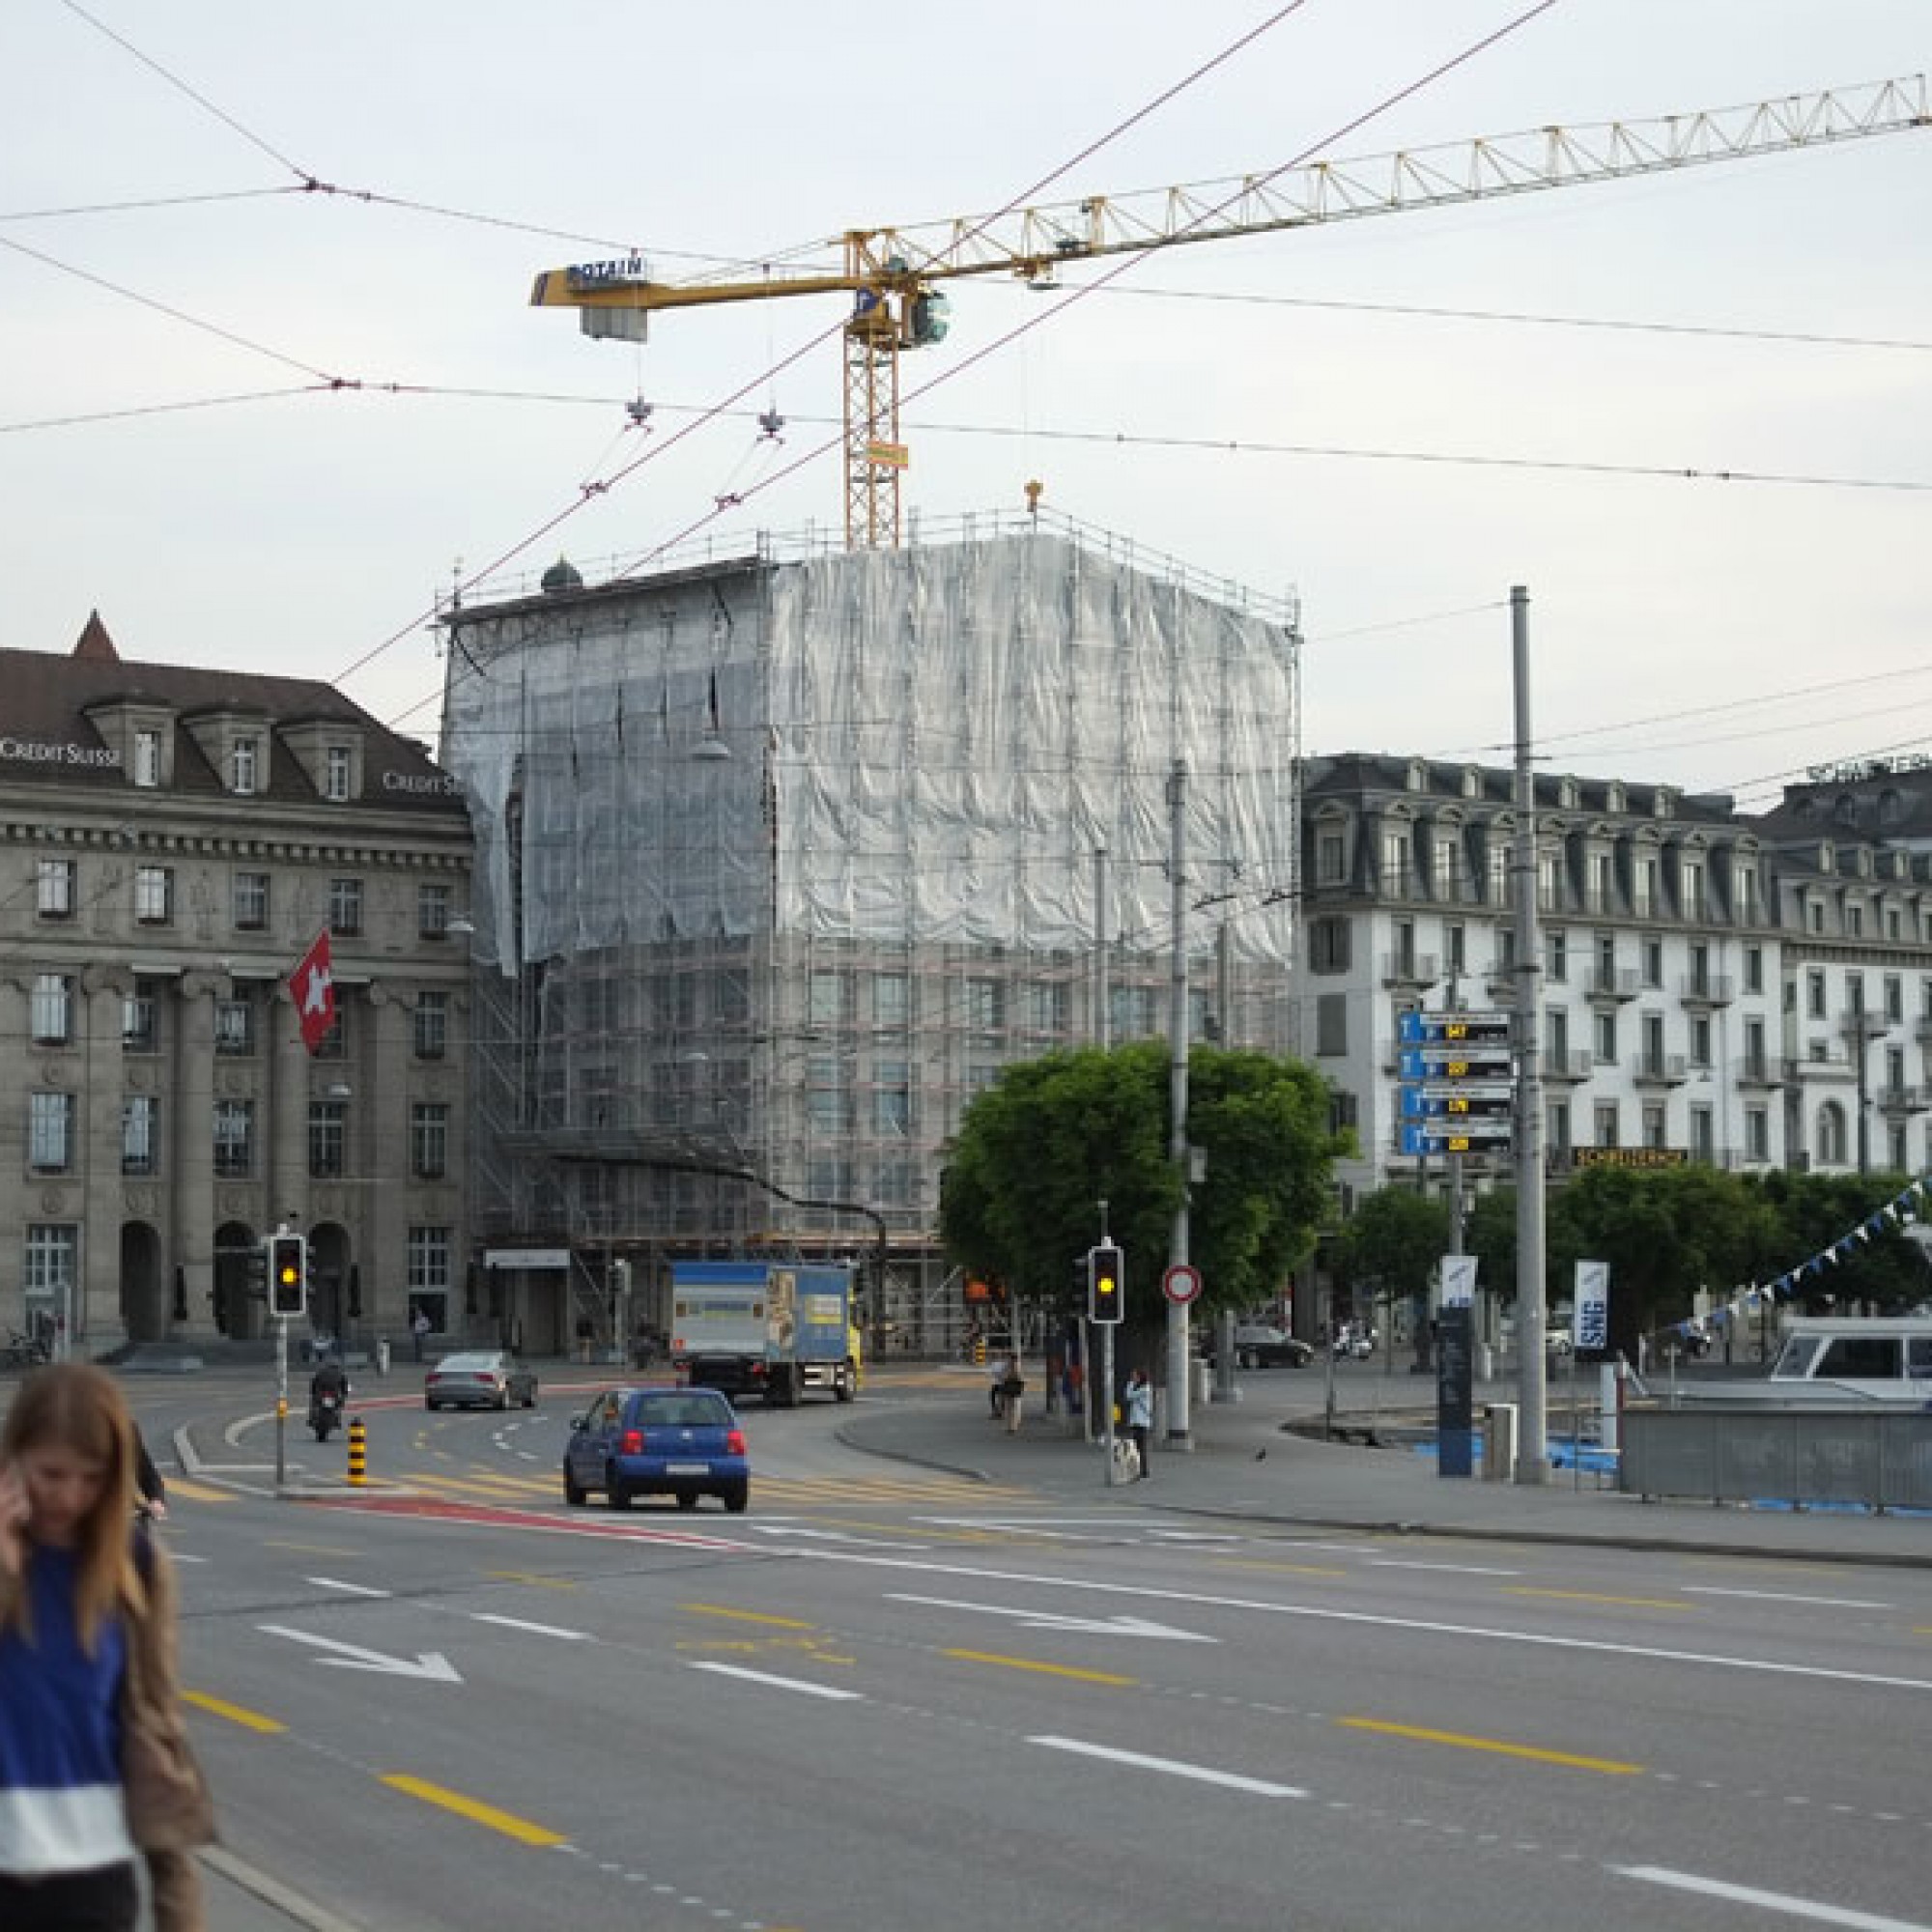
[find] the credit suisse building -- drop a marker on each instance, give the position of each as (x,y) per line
(172,840)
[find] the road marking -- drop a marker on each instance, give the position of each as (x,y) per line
(1200,1774)
(200,1492)
(1780,1597)
(1594,1597)
(1283,1569)
(311,1549)
(530,1578)
(430,1664)
(1046,1669)
(354,1589)
(1447,1568)
(182,1556)
(539,1630)
(249,1720)
(1374,1620)
(475,1809)
(1774,1902)
(782,1683)
(829,1536)
(1053,1620)
(1463,1743)
(747,1616)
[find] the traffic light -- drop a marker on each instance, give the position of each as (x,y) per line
(288,1274)
(1106,1282)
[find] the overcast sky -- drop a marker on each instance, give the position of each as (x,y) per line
(300,532)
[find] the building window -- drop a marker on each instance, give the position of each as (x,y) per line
(1653,962)
(1046,1006)
(1894,998)
(1755,1061)
(1395,863)
(828,998)
(140,1134)
(1448,869)
(1455,944)
(345,906)
(250,902)
(891,1099)
(53,1010)
(1499,872)
(1691,888)
(1603,882)
(1403,934)
(328,1138)
(1753,969)
(828,1104)
(1700,969)
(980,1074)
(1330,858)
(430,1032)
(1557,954)
(338,767)
(1556,1128)
(1653,1041)
(429,1140)
(1604,1046)
(985,1006)
(1758,1133)
(429,1272)
(1703,1137)
(1855,921)
(241,762)
(234,1026)
(54,886)
(891,1006)
(1746,895)
(1894,1144)
(1331,1023)
(49,1132)
(1700,1040)
(1815,915)
(1832,1134)
(154,894)
(1130,1012)
(1653,1124)
(1549,881)
(433,911)
(140,1010)
(1605,1115)
(334,1043)
(234,1138)
(1607,960)
(1815,992)
(1558,1020)
(52,1265)
(1894,928)
(1328,944)
(1645,900)
(146,759)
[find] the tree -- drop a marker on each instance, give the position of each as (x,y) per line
(1811,1214)
(1051,1137)
(1395,1237)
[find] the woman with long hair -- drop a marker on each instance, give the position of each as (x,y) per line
(87,1615)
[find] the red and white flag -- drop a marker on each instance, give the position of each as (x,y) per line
(313,984)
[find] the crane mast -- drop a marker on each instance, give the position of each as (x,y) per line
(891,272)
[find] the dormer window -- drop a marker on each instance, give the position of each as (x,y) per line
(1567,794)
(241,767)
(1664,804)
(1472,781)
(339,771)
(1418,774)
(1614,798)
(147,758)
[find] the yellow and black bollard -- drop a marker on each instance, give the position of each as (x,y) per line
(359,1444)
(979,1351)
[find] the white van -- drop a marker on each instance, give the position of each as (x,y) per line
(1855,1358)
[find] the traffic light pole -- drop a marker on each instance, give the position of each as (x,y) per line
(1178,1391)
(281,1402)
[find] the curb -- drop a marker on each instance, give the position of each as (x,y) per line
(293,1906)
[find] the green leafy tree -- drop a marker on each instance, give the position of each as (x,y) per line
(1393,1241)
(1810,1215)
(1051,1137)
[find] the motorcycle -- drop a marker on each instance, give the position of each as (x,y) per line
(324,1414)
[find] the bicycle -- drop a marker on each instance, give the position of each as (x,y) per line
(25,1352)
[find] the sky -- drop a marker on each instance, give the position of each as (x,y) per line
(272,428)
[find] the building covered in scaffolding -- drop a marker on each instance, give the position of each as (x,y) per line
(781,856)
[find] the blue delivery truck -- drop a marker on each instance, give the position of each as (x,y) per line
(766,1329)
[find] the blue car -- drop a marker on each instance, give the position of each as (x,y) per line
(682,1442)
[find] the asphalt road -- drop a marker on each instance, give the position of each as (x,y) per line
(889,1696)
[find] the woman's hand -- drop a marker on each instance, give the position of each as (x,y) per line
(14,1513)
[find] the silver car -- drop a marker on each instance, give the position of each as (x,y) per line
(493,1378)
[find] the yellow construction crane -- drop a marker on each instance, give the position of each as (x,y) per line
(890,273)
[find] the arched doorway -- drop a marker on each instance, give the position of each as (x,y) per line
(145,1307)
(239,1311)
(328,1267)
(1832,1134)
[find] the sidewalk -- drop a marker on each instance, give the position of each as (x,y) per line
(1245,1463)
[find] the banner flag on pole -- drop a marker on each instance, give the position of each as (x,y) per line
(313,984)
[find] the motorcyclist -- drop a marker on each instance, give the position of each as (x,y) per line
(330,1378)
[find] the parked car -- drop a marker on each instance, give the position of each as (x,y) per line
(1257,1347)
(493,1378)
(682,1442)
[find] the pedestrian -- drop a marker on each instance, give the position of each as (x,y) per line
(149,1487)
(1140,1417)
(419,1327)
(1012,1390)
(95,1764)
(1003,1367)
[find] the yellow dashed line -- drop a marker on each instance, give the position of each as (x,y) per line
(249,1720)
(524,1576)
(1610,1766)
(1293,1569)
(746,1616)
(199,1493)
(1591,1597)
(476,1810)
(312,1549)
(1046,1669)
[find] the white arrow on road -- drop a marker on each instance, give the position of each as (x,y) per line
(1048,1620)
(430,1664)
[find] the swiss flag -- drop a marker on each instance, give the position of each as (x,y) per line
(313,984)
